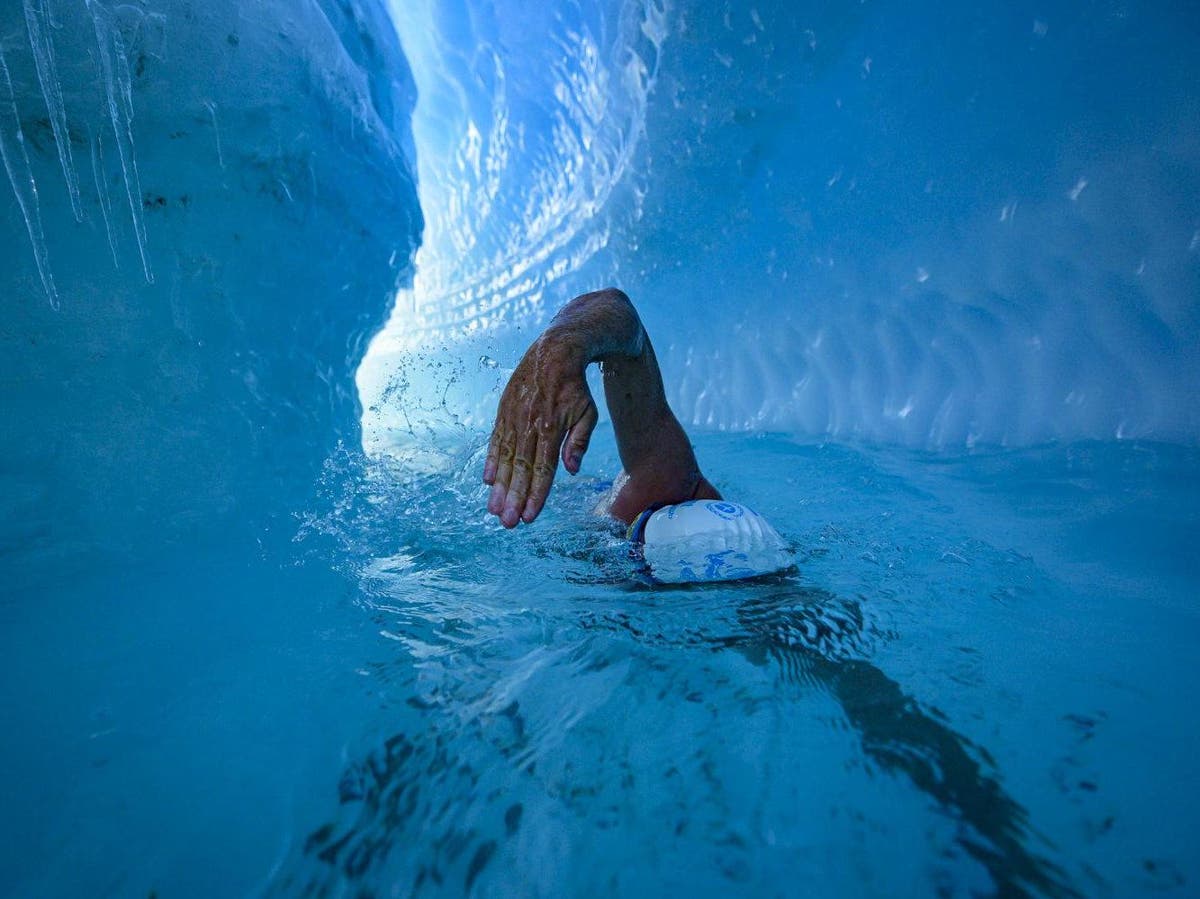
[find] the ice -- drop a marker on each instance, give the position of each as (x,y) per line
(103,202)
(118,90)
(976,232)
(197,666)
(249,213)
(37,19)
(20,176)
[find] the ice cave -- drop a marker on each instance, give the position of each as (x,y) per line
(923,281)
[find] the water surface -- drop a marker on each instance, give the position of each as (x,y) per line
(954,694)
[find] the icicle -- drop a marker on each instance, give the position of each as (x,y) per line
(37,20)
(97,144)
(212,111)
(118,88)
(20,176)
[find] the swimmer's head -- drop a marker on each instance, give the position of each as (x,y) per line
(708,540)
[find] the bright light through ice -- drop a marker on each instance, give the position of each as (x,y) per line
(515,177)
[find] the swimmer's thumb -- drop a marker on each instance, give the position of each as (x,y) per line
(578,438)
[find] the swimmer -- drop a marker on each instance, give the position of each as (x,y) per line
(547,412)
(681,531)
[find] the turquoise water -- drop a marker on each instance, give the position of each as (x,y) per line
(952,695)
(974,683)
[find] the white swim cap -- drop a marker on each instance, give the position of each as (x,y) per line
(707,540)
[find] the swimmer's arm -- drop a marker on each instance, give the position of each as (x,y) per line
(655,451)
(547,411)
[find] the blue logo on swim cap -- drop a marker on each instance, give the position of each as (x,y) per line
(726,511)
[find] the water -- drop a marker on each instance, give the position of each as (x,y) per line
(226,670)
(974,684)
(954,695)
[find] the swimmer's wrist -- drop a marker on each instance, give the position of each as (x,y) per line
(565,348)
(602,325)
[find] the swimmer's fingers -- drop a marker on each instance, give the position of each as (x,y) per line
(500,453)
(578,439)
(518,487)
(491,462)
(544,466)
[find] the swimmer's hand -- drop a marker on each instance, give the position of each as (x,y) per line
(546,412)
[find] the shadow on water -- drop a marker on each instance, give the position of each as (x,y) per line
(431,806)
(804,631)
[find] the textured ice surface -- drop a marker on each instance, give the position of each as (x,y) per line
(530,152)
(207,208)
(902,222)
(211,207)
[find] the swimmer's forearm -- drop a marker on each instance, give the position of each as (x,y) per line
(603,326)
(655,452)
(597,327)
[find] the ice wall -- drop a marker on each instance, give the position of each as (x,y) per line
(529,126)
(914,223)
(208,209)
